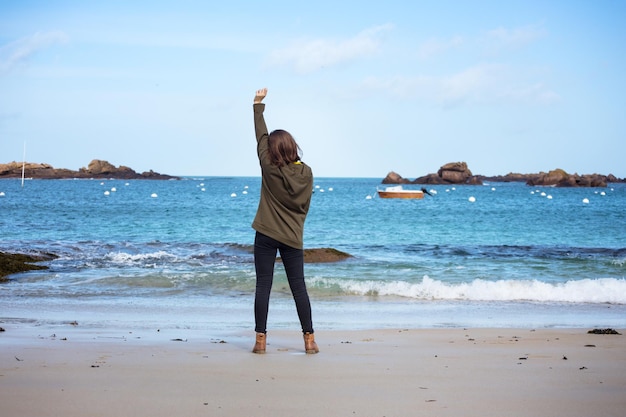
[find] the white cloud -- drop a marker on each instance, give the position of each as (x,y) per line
(506,39)
(433,46)
(17,52)
(306,56)
(485,84)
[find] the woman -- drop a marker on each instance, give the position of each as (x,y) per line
(286,189)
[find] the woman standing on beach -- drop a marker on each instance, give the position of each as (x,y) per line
(286,189)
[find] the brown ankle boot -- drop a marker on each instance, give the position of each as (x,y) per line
(309,343)
(259,346)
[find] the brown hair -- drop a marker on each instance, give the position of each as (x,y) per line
(283,148)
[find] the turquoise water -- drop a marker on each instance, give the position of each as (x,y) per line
(178,253)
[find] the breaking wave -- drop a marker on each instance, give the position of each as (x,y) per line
(604,290)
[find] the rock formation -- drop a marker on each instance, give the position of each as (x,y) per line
(451,173)
(459,173)
(13,263)
(393,178)
(560,178)
(96,169)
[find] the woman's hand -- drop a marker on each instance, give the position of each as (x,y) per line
(260,95)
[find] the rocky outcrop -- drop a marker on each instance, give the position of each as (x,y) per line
(560,178)
(394,178)
(459,173)
(13,263)
(96,169)
(451,173)
(324,255)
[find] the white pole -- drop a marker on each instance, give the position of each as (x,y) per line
(24,164)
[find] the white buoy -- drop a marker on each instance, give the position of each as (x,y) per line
(549,197)
(432,191)
(602,193)
(154,195)
(113,189)
(127,184)
(330,189)
(493,188)
(107,192)
(202,189)
(543,194)
(369,197)
(233,195)
(585,201)
(1,193)
(472,199)
(244,192)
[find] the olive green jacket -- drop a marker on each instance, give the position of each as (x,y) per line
(285,192)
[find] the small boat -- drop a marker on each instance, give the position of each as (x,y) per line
(399,192)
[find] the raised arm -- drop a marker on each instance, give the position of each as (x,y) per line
(260,95)
(259,123)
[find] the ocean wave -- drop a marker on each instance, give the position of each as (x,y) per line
(604,290)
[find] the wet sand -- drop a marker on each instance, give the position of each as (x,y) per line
(71,371)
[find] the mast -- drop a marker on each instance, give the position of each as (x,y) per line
(23,164)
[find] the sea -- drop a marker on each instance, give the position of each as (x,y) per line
(178,254)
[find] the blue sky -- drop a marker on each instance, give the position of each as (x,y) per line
(365,87)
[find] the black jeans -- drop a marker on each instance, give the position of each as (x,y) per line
(265,249)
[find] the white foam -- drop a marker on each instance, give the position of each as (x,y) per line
(603,290)
(128,258)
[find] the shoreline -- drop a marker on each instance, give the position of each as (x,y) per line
(77,371)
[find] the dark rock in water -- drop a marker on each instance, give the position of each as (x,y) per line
(97,169)
(313,255)
(459,173)
(603,331)
(450,173)
(324,255)
(13,263)
(560,178)
(394,178)
(455,173)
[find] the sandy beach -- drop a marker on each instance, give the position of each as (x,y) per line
(71,371)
